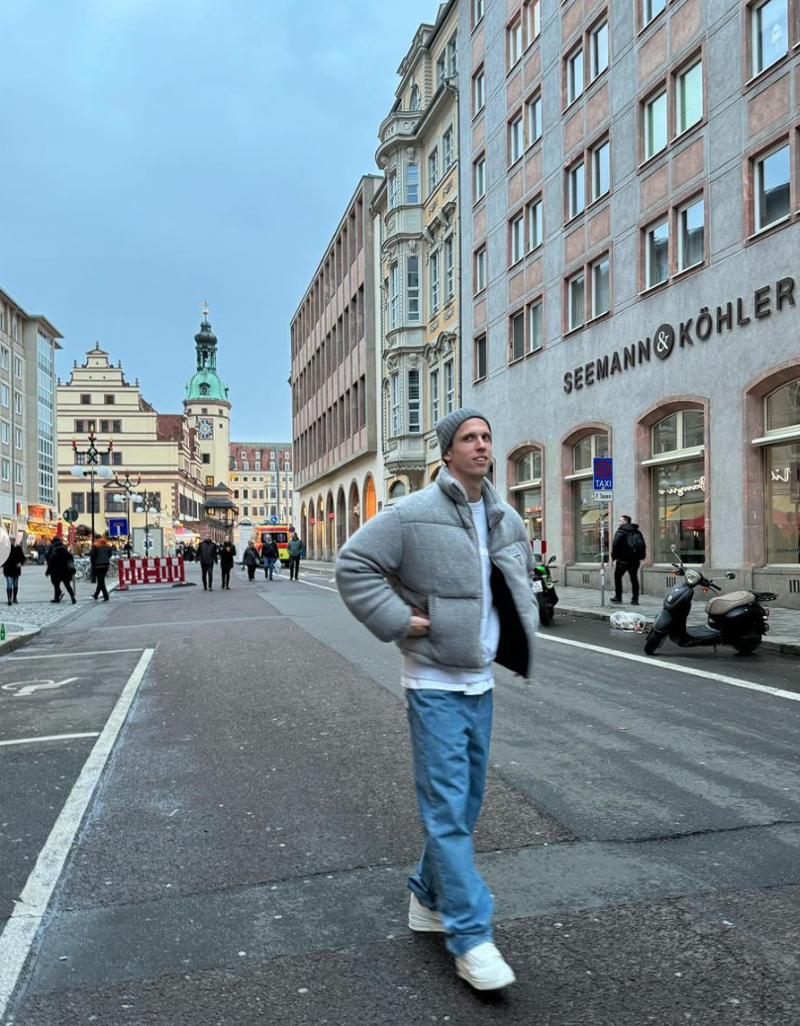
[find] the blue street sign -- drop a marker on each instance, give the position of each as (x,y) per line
(118,527)
(603,479)
(273,520)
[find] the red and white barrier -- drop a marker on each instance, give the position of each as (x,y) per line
(151,570)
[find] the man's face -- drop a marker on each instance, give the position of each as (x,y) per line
(470,453)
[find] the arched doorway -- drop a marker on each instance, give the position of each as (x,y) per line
(370,499)
(320,529)
(329,527)
(341,519)
(354,508)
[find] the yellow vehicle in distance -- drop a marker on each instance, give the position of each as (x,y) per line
(279,533)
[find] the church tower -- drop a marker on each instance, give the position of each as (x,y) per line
(208,409)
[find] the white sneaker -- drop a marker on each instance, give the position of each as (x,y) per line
(484,968)
(422,919)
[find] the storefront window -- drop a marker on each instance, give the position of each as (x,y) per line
(527,489)
(679,487)
(782,467)
(586,511)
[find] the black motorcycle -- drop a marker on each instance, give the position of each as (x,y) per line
(737,618)
(544,590)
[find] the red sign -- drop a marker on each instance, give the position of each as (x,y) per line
(157,570)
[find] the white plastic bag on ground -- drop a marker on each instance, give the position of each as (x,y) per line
(628,621)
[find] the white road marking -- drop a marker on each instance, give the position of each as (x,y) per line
(20,931)
(324,587)
(48,737)
(63,655)
(664,665)
(27,687)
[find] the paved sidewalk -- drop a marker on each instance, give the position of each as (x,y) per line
(784,632)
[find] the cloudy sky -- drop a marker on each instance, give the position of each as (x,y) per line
(157,153)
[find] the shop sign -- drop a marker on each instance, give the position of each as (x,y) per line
(37,512)
(667,338)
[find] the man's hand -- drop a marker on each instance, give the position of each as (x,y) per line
(420,623)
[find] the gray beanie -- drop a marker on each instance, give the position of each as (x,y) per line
(449,424)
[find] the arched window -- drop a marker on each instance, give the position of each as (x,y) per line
(782,473)
(397,491)
(415,98)
(586,510)
(678,487)
(527,491)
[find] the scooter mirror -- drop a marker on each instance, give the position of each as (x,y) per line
(552,559)
(730,575)
(673,550)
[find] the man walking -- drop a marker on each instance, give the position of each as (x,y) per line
(250,560)
(295,549)
(445,574)
(207,551)
(627,550)
(60,570)
(269,550)
(100,558)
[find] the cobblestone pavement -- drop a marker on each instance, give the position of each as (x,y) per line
(35,610)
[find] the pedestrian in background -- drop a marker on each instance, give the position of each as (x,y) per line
(296,551)
(12,568)
(226,557)
(208,553)
(100,558)
(409,575)
(269,550)
(250,560)
(40,547)
(60,570)
(627,550)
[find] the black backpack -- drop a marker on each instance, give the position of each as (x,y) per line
(636,546)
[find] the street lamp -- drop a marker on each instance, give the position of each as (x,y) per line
(91,466)
(128,488)
(149,505)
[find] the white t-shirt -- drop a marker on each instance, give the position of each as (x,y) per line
(419,676)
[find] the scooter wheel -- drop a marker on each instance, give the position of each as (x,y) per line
(747,645)
(654,641)
(545,615)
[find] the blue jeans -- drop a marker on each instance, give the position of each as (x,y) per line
(450,734)
(269,567)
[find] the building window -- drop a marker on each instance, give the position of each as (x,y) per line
(395,410)
(447,147)
(516,239)
(534,223)
(441,69)
(412,184)
(514,42)
(433,169)
(677,469)
(576,189)
(394,296)
(480,269)
(477,11)
(414,100)
(772,188)
(414,418)
(18,402)
(532,18)
(434,387)
(452,57)
(586,511)
(479,358)
(601,169)
(782,472)
(5,433)
(392,190)
(576,301)
(86,399)
(650,8)
(516,336)
(515,144)
(574,73)
(691,235)
(479,177)
(601,293)
(449,387)
(527,492)
(655,124)
(533,119)
(412,288)
(5,356)
(435,297)
(397,491)
(657,254)
(769,33)
(5,395)
(478,91)
(598,50)
(689,106)
(17,367)
(535,326)
(449,268)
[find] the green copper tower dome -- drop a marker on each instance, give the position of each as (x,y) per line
(206,383)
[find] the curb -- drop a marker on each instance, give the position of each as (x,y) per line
(15,641)
(785,648)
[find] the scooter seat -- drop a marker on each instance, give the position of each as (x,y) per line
(722,604)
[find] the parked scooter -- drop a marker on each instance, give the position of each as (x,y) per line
(544,590)
(737,618)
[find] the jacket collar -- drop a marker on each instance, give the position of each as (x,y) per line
(455,490)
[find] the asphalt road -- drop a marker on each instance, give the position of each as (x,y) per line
(244,853)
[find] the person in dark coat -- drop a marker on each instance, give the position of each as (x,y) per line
(226,557)
(60,570)
(627,550)
(100,558)
(269,550)
(296,552)
(12,568)
(250,560)
(208,554)
(40,547)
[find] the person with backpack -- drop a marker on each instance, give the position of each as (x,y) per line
(627,550)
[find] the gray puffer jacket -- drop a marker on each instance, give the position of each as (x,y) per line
(423,552)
